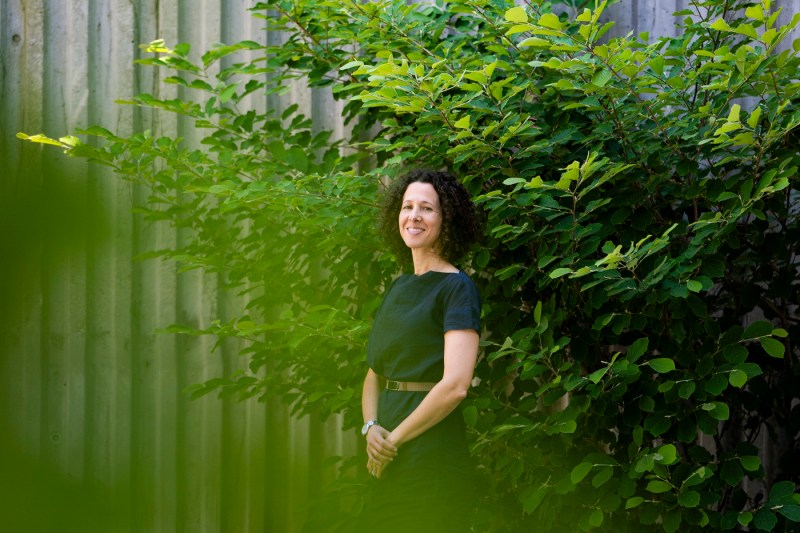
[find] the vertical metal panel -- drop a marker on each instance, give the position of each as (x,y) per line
(90,393)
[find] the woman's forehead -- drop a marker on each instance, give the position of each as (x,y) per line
(420,192)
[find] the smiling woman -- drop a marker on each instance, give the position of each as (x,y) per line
(421,220)
(421,356)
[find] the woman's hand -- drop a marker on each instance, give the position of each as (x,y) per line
(380,451)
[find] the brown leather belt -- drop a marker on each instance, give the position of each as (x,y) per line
(409,386)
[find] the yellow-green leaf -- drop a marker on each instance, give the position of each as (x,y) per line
(752,121)
(535,183)
(463,123)
(535,42)
(550,20)
(38,138)
(519,28)
(755,12)
(721,25)
(733,116)
(746,29)
(517,14)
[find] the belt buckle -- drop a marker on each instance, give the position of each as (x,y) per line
(392,385)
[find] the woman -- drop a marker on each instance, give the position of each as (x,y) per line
(421,356)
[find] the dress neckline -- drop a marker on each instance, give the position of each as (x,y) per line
(417,276)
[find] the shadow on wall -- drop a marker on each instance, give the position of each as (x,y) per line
(47,220)
(36,498)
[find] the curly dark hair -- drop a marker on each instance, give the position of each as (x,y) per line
(460,223)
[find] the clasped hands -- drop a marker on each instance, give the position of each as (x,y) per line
(380,450)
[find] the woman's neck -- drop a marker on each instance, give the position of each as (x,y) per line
(427,260)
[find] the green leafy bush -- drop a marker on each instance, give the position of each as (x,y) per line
(639,369)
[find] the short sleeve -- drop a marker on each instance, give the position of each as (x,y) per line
(462,305)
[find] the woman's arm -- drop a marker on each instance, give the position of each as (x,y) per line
(460,356)
(379,451)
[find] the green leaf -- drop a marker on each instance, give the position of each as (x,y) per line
(532,500)
(717,410)
(760,328)
(792,512)
(686,389)
(351,65)
(716,384)
(672,521)
(765,520)
(557,273)
(657,486)
(662,365)
(602,477)
(751,463)
(781,489)
(601,77)
(737,378)
(634,502)
(731,473)
(566,427)
(689,499)
(471,416)
(597,375)
(773,347)
(727,195)
(669,454)
(637,349)
(297,158)
(596,518)
(694,286)
(580,472)
(227,93)
(517,14)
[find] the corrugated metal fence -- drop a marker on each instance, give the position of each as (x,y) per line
(96,433)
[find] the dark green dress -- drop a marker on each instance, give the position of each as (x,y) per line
(430,484)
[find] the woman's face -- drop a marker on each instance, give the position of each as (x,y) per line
(420,216)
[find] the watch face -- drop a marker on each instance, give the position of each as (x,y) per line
(365,427)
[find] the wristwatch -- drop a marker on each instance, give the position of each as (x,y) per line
(365,427)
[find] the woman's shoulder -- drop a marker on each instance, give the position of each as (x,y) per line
(460,282)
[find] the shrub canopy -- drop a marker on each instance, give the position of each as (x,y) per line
(639,271)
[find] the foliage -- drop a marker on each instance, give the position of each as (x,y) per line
(639,273)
